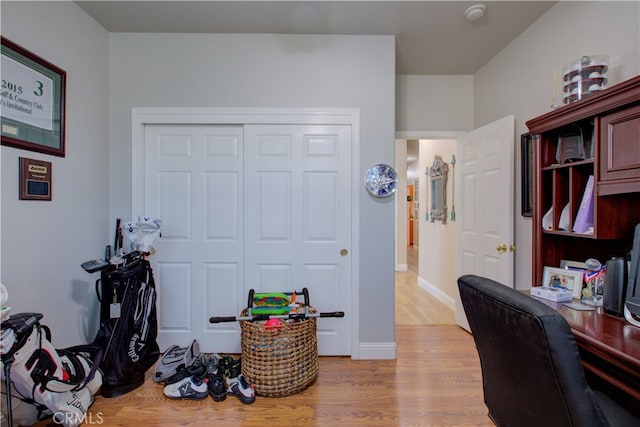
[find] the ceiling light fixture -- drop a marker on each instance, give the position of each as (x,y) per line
(475,12)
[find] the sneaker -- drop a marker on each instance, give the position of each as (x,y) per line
(242,389)
(217,387)
(188,388)
(211,361)
(229,367)
(174,358)
(196,369)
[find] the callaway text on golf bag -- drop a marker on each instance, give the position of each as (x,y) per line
(128,326)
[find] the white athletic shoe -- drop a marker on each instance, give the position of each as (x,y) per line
(187,388)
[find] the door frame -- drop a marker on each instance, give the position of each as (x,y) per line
(143,116)
(401,165)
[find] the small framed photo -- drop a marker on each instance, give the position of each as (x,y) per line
(571,280)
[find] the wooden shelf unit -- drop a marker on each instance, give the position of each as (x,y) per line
(610,125)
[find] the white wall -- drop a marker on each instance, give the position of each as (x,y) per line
(432,107)
(436,259)
(434,103)
(251,70)
(519,80)
(44,243)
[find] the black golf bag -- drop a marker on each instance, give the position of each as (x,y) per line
(128,326)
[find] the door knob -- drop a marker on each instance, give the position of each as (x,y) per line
(343,252)
(502,248)
(512,248)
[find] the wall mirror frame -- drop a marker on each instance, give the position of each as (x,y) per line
(438,175)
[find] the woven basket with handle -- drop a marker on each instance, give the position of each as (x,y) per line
(280,361)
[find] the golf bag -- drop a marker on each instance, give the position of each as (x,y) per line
(128,326)
(43,381)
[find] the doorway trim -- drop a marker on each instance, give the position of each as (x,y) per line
(143,116)
(400,165)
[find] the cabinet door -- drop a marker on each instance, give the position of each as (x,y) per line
(620,151)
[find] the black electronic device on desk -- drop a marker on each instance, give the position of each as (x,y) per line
(632,304)
(615,286)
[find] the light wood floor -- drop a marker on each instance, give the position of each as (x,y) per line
(435,381)
(414,305)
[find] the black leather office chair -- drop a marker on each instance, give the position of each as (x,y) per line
(531,369)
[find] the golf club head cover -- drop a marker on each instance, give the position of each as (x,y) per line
(150,230)
(130,230)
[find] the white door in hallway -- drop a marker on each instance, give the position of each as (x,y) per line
(245,207)
(485,199)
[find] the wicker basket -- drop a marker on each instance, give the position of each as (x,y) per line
(280,361)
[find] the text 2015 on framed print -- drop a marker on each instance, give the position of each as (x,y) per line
(32,101)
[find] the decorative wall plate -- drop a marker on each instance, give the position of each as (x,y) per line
(381,180)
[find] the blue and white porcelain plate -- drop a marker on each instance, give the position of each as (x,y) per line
(381,180)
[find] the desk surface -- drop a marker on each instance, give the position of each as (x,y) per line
(611,344)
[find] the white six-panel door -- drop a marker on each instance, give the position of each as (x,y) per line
(298,219)
(485,197)
(264,207)
(193,183)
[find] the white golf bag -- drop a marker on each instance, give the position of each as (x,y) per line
(58,383)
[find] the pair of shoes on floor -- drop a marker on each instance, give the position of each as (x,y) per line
(239,387)
(193,387)
(235,384)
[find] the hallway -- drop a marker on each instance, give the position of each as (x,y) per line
(413,304)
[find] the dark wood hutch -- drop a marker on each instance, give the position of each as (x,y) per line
(609,122)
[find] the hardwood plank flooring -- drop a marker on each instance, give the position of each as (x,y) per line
(435,381)
(416,306)
(413,304)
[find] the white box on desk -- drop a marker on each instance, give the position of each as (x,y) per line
(552,294)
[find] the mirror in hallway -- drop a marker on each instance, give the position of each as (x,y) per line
(438,173)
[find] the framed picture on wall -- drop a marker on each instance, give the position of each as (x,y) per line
(33,101)
(526,157)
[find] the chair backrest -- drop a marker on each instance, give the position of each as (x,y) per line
(531,369)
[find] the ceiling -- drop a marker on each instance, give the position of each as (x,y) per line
(432,37)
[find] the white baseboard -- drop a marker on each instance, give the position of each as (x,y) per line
(402,267)
(376,351)
(437,293)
